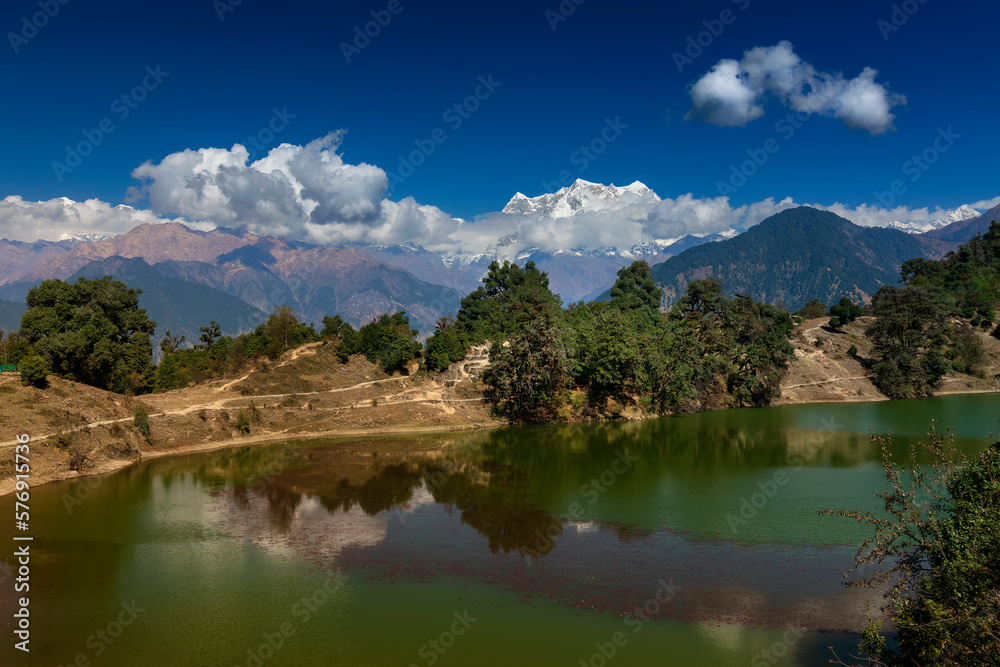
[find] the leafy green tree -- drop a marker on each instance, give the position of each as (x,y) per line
(283,331)
(446,346)
(969,276)
(173,372)
(140,420)
(907,337)
(14,346)
(966,353)
(936,550)
(700,345)
(509,298)
(91,331)
(528,373)
(33,371)
(760,351)
(845,312)
(616,365)
(814,308)
(719,352)
(636,292)
(387,341)
(332,326)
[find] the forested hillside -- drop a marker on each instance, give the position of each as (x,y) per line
(797,255)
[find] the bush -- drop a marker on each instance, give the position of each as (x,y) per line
(939,543)
(243,421)
(852,352)
(78,461)
(140,421)
(62,440)
(446,346)
(122,450)
(34,370)
(814,308)
(845,312)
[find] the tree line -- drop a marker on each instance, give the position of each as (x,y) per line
(94,332)
(927,326)
(609,359)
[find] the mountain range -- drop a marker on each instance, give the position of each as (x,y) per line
(963,230)
(236,277)
(254,274)
(797,255)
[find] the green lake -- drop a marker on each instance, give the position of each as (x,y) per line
(691,540)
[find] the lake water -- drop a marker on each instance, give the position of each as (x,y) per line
(691,540)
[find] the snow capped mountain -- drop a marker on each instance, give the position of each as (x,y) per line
(963,212)
(85,237)
(580,197)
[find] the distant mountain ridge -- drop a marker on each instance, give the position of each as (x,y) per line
(799,254)
(10,315)
(178,305)
(963,230)
(263,272)
(358,280)
(579,197)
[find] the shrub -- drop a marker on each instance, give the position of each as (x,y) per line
(813,308)
(34,370)
(852,352)
(243,421)
(140,421)
(122,450)
(937,542)
(78,461)
(62,440)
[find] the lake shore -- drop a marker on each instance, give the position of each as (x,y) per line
(338,400)
(53,474)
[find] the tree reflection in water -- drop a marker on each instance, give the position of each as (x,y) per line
(490,496)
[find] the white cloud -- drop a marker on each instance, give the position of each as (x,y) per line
(986,204)
(733,92)
(57,218)
(309,193)
(303,192)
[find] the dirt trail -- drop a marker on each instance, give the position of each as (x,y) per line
(221,404)
(811,384)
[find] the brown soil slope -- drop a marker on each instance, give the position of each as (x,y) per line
(823,371)
(307,393)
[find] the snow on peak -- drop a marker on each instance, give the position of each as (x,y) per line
(85,237)
(963,212)
(579,197)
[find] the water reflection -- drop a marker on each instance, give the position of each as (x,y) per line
(391,514)
(586,514)
(489,496)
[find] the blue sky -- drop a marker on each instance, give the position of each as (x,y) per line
(557,90)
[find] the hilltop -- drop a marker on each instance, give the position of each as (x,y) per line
(797,255)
